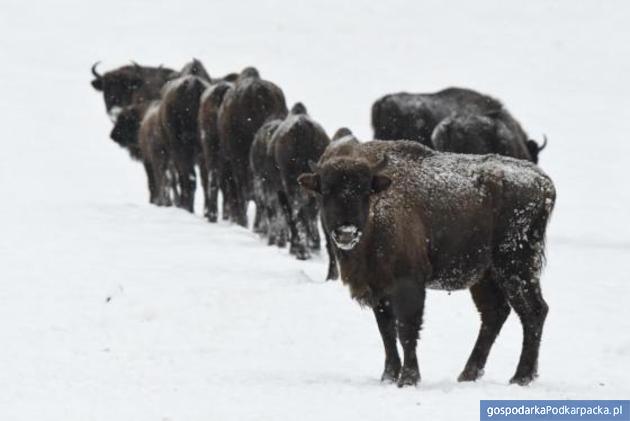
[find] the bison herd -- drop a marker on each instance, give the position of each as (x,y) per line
(449,197)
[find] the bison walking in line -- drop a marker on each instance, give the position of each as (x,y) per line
(213,155)
(453,120)
(244,109)
(297,141)
(267,185)
(282,150)
(404,218)
(179,119)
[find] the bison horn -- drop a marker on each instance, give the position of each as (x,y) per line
(544,143)
(94,72)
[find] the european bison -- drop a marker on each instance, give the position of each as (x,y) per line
(163,134)
(297,141)
(483,134)
(404,218)
(214,157)
(131,84)
(251,103)
(456,119)
(156,158)
(179,119)
(267,185)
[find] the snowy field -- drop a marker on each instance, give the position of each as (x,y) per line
(112,309)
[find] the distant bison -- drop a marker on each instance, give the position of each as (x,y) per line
(179,119)
(213,155)
(297,141)
(455,120)
(404,218)
(483,134)
(267,185)
(244,109)
(165,135)
(131,84)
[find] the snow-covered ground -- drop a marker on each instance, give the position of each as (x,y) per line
(111,309)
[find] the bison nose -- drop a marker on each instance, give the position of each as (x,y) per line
(346,236)
(114,113)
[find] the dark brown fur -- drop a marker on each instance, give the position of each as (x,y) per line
(251,103)
(406,218)
(453,120)
(297,141)
(213,155)
(131,84)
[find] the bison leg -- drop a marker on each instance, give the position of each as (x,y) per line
(299,242)
(160,166)
(494,310)
(387,327)
(223,178)
(296,229)
(261,225)
(238,197)
(312,230)
(205,184)
(526,299)
(238,208)
(276,224)
(408,305)
(151,182)
(213,197)
(186,177)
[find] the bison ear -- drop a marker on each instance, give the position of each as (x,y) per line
(380,183)
(310,181)
(97,84)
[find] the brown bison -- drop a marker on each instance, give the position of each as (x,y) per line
(453,120)
(404,218)
(213,155)
(163,135)
(244,109)
(179,120)
(483,134)
(295,142)
(131,84)
(267,185)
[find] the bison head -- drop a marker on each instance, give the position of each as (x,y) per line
(344,187)
(126,128)
(118,87)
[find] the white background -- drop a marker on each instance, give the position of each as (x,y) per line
(204,321)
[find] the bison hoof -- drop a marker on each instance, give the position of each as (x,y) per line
(408,377)
(470,374)
(211,217)
(333,274)
(302,255)
(523,380)
(391,372)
